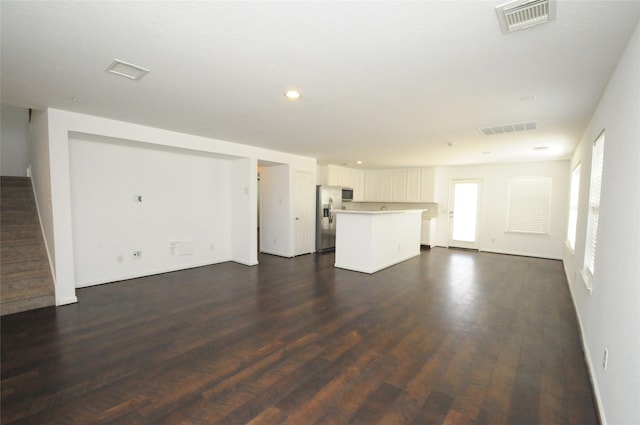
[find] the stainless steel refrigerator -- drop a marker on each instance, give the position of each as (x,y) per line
(328,198)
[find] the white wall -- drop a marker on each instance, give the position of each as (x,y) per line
(243,211)
(57,127)
(14,141)
(275,223)
(493,211)
(185,198)
(609,316)
(41,181)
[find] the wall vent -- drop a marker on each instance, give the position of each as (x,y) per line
(508,128)
(521,14)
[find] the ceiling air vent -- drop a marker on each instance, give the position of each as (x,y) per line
(508,128)
(521,14)
(128,70)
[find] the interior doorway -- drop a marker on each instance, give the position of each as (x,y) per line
(463,214)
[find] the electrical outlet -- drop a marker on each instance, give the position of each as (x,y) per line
(137,254)
(605,358)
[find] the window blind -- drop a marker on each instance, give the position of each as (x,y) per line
(574,200)
(529,205)
(594,204)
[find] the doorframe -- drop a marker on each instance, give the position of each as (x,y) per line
(310,225)
(461,244)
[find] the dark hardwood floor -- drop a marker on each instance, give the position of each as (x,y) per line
(455,337)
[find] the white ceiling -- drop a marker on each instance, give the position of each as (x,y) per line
(389,83)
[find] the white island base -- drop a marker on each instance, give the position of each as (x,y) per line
(369,241)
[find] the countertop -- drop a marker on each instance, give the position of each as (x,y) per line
(373,212)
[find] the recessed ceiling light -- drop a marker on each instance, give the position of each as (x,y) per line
(541,148)
(359,162)
(527,98)
(75,99)
(128,70)
(292,94)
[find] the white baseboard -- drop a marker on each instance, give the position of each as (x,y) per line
(128,276)
(66,301)
(522,254)
(587,357)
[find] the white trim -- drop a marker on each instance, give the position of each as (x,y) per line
(587,279)
(588,358)
(522,254)
(245,263)
(46,245)
(66,301)
(130,276)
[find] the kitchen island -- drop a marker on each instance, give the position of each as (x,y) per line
(369,241)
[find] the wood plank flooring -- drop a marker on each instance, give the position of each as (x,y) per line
(449,337)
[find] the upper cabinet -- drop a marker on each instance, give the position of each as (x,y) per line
(426,184)
(399,193)
(414,185)
(333,175)
(372,185)
(393,185)
(399,185)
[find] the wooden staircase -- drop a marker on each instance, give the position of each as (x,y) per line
(25,276)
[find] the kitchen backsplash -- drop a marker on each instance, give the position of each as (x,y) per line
(430,208)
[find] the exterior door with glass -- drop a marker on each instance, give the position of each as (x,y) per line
(463,214)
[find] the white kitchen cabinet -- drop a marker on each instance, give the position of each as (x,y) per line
(425,233)
(344,177)
(372,185)
(357,180)
(397,185)
(386,185)
(327,175)
(399,191)
(426,184)
(414,182)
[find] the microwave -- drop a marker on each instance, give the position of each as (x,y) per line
(347,194)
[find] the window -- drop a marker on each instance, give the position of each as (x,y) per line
(574,200)
(594,205)
(529,205)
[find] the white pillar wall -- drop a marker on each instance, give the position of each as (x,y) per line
(57,221)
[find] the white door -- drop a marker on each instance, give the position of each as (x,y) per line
(463,215)
(303,212)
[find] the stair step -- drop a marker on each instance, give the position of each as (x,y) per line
(18,204)
(23,252)
(25,275)
(9,234)
(16,191)
(15,181)
(18,306)
(24,269)
(8,218)
(26,288)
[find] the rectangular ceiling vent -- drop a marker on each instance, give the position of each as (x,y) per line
(521,14)
(508,128)
(128,70)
